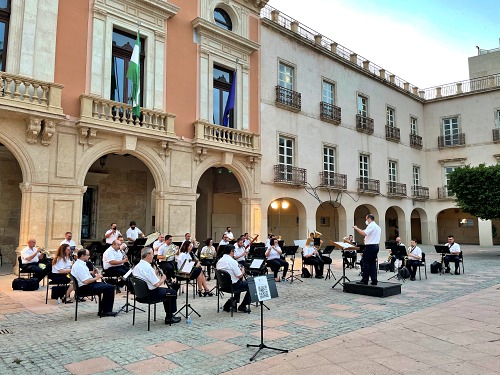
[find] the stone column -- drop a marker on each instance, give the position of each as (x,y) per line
(485,234)
(178,213)
(251,220)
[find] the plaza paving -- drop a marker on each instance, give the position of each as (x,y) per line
(445,324)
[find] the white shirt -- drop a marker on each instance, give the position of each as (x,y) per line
(372,234)
(133,233)
(111,254)
(239,253)
(222,243)
(110,239)
(308,250)
(27,252)
(144,271)
(414,253)
(61,264)
(80,271)
(268,243)
(208,252)
(181,258)
(71,243)
(274,254)
(228,264)
(163,250)
(229,235)
(454,249)
(157,244)
(246,242)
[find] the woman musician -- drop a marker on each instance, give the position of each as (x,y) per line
(61,268)
(185,255)
(207,256)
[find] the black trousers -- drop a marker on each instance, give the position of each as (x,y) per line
(276,264)
(168,268)
(350,257)
(239,287)
(169,304)
(452,258)
(60,278)
(107,291)
(412,265)
(370,263)
(317,263)
(35,268)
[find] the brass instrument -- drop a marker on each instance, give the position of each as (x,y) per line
(171,251)
(209,254)
(317,234)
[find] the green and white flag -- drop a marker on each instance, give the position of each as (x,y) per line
(134,74)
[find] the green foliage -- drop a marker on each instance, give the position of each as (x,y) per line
(477,190)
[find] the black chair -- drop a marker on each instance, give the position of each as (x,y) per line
(1,258)
(422,263)
(143,295)
(225,285)
(311,267)
(77,297)
(461,259)
(56,283)
(20,270)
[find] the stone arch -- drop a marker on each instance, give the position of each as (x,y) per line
(22,156)
(288,235)
(419,227)
(359,218)
(449,222)
(395,224)
(336,228)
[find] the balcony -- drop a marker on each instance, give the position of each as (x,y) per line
(496,135)
(454,140)
(332,180)
(416,141)
(288,99)
(395,189)
(445,193)
(330,113)
(364,124)
(392,133)
(420,193)
(286,174)
(368,186)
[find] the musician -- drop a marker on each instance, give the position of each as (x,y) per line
(268,240)
(112,234)
(166,257)
(68,239)
(187,237)
(123,246)
(115,262)
(186,255)
(61,267)
(230,265)
(144,271)
(224,241)
(453,256)
(30,259)
(159,242)
(312,256)
(372,240)
(133,233)
(246,240)
(240,253)
(207,256)
(350,256)
(88,284)
(274,260)
(229,234)
(414,254)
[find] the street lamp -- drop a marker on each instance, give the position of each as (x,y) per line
(278,205)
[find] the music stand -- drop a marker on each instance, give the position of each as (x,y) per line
(343,246)
(281,243)
(127,304)
(400,253)
(185,272)
(292,251)
(328,250)
(262,288)
(317,241)
(443,250)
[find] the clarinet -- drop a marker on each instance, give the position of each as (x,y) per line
(97,271)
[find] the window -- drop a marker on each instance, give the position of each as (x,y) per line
(285,78)
(222,19)
(447,171)
(391,117)
(285,157)
(4,31)
(364,166)
(466,223)
(223,78)
(450,131)
(393,171)
(324,221)
(121,86)
(329,160)
(413,125)
(416,176)
(362,106)
(328,93)
(497,119)
(89,210)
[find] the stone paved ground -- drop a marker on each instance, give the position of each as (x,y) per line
(445,324)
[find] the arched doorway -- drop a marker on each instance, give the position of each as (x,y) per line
(218,205)
(395,224)
(360,217)
(120,189)
(419,226)
(464,227)
(495,231)
(286,219)
(331,222)
(10,204)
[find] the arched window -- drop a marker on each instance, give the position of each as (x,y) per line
(222,19)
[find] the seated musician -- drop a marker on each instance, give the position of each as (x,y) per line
(246,240)
(68,239)
(186,255)
(228,263)
(229,234)
(414,254)
(274,260)
(207,256)
(187,237)
(453,256)
(115,262)
(224,241)
(240,253)
(112,234)
(133,233)
(268,240)
(88,284)
(31,257)
(350,256)
(144,271)
(61,267)
(395,261)
(166,257)
(159,242)
(312,256)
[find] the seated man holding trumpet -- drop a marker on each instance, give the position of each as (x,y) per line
(166,257)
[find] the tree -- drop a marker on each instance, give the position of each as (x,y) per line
(477,190)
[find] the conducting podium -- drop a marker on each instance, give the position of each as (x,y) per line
(343,246)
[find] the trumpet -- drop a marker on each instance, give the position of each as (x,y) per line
(43,251)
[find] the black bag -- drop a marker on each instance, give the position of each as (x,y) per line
(305,273)
(386,266)
(404,273)
(25,284)
(435,267)
(58,291)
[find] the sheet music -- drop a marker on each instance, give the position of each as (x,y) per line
(262,287)
(343,245)
(127,274)
(187,267)
(256,263)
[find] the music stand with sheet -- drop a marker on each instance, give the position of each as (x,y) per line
(292,252)
(185,272)
(343,246)
(443,250)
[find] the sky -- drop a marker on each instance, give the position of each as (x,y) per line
(425,42)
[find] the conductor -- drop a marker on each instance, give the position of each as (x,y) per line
(372,240)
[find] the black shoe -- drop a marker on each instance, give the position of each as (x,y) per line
(374,283)
(318,277)
(447,270)
(207,293)
(109,313)
(362,282)
(244,309)
(457,272)
(412,279)
(200,294)
(81,299)
(173,320)
(209,278)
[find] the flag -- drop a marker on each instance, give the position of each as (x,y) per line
(134,74)
(230,101)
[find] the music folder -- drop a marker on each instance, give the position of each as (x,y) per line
(256,264)
(442,249)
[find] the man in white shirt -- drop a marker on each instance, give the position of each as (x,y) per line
(166,257)
(246,240)
(159,242)
(240,253)
(114,261)
(69,240)
(30,260)
(229,234)
(133,232)
(268,240)
(453,256)
(88,284)
(372,240)
(414,254)
(144,271)
(395,260)
(112,234)
(228,264)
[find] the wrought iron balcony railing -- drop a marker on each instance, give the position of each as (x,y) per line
(420,192)
(288,99)
(364,124)
(445,193)
(290,175)
(451,140)
(392,133)
(333,180)
(496,135)
(395,189)
(368,185)
(416,141)
(330,113)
